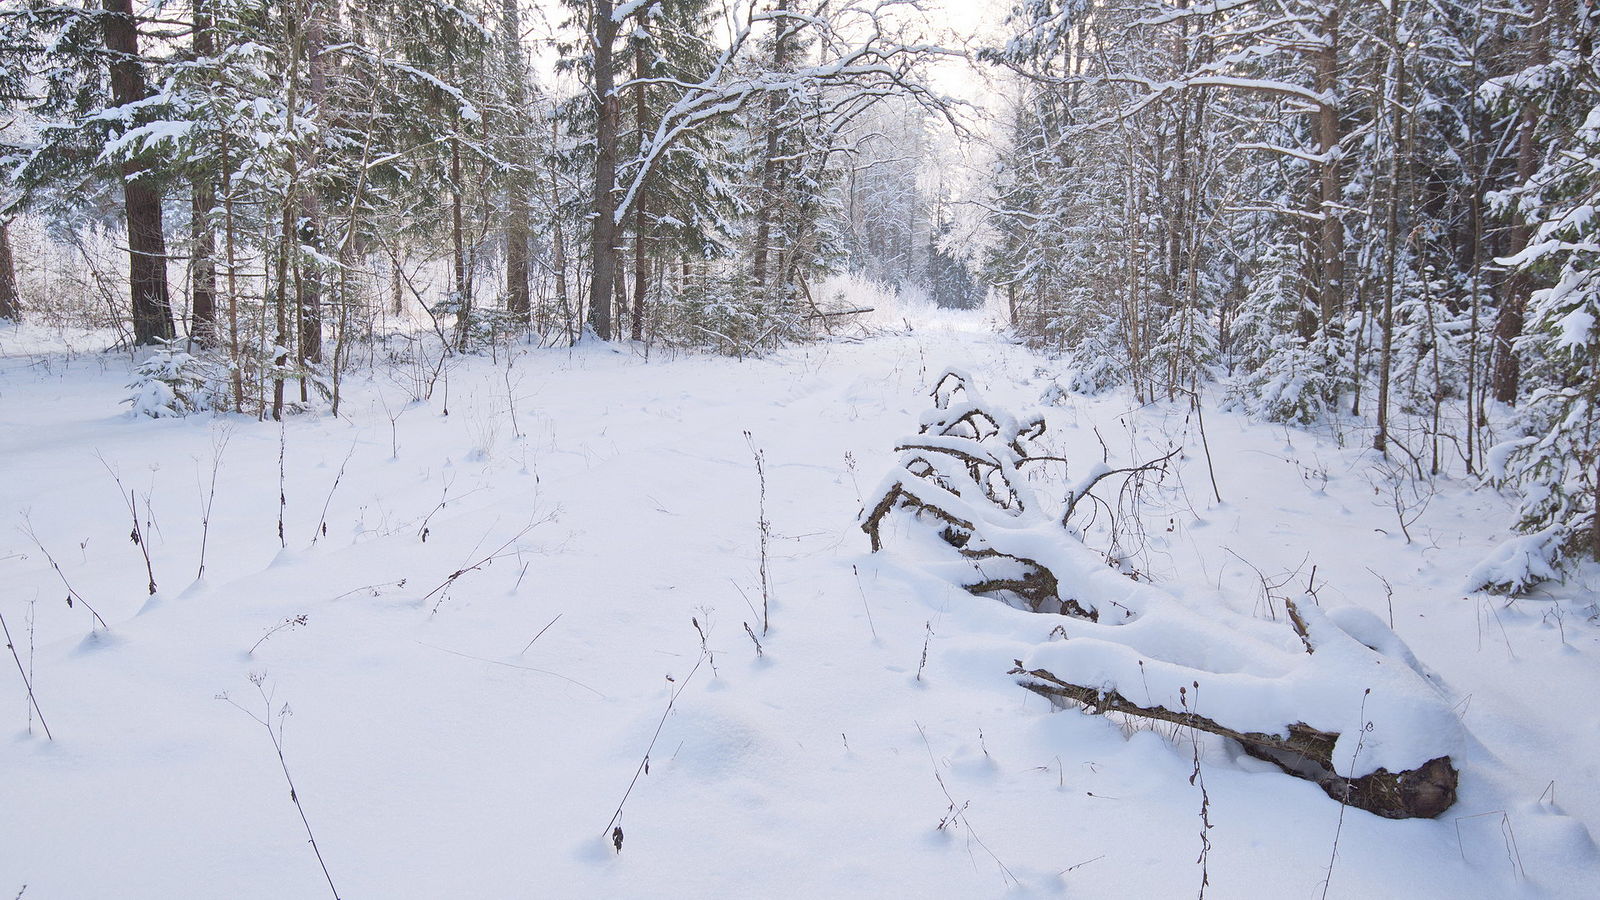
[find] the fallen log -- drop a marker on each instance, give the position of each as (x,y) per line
(1423,792)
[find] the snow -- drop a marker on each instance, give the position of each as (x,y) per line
(437,753)
(1575,329)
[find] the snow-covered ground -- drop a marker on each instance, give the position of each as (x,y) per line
(457,730)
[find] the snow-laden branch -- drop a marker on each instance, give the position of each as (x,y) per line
(866,61)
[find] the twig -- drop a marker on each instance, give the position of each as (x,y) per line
(1344,801)
(372,587)
(1198,778)
(498,553)
(219,443)
(1388,590)
(290,622)
(283,495)
(1075,496)
(322,523)
(958,812)
(277,745)
(541,632)
(27,528)
(137,535)
(26,681)
(645,761)
(496,662)
(862,591)
(1080,865)
(764,527)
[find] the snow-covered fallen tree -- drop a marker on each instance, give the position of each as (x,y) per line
(1332,696)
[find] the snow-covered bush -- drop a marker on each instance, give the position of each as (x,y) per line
(1557,462)
(170,383)
(1099,362)
(1185,350)
(1292,386)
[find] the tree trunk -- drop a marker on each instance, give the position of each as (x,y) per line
(641,225)
(558,249)
(772,167)
(458,250)
(147,246)
(10,306)
(1506,377)
(203,202)
(1329,283)
(518,299)
(520,215)
(309,271)
(602,281)
(1396,106)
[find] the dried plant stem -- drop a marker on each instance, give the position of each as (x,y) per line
(764,528)
(283,494)
(26,681)
(1333,854)
(322,523)
(137,535)
(277,745)
(218,444)
(27,528)
(541,632)
(644,762)
(498,553)
(958,811)
(863,592)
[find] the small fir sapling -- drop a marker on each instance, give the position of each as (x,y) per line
(170,383)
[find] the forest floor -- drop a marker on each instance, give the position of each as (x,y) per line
(457,729)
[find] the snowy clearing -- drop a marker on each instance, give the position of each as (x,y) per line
(518,576)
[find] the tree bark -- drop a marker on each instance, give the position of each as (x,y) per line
(461,290)
(602,281)
(772,167)
(147,247)
(10,305)
(202,204)
(641,222)
(308,271)
(1424,792)
(1329,283)
(520,215)
(1506,377)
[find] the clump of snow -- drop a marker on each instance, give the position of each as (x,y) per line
(1519,563)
